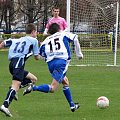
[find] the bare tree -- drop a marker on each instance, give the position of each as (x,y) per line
(8,13)
(38,10)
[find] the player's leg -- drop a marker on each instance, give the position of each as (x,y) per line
(43,88)
(26,80)
(18,76)
(24,83)
(10,96)
(46,87)
(31,77)
(56,68)
(67,92)
(16,95)
(68,95)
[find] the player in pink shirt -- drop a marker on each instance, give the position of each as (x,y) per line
(56,19)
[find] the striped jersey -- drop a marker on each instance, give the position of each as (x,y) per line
(22,47)
(57,46)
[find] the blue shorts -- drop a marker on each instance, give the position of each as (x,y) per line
(58,69)
(16,68)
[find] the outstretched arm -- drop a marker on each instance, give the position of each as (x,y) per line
(2,44)
(77,48)
(45,32)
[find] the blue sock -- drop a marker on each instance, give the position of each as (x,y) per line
(67,93)
(42,88)
(10,95)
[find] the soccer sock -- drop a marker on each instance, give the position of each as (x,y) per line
(42,88)
(67,93)
(25,82)
(10,95)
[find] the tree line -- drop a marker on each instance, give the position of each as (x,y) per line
(26,11)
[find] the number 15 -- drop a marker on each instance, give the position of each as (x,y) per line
(57,44)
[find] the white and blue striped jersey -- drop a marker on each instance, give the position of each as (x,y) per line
(22,47)
(57,46)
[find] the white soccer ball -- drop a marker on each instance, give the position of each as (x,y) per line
(102,102)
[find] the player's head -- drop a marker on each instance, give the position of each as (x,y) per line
(31,29)
(56,11)
(54,27)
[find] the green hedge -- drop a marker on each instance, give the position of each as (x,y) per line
(40,37)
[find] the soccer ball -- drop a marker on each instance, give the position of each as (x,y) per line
(102,102)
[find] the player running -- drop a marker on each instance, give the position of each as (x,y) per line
(56,51)
(19,51)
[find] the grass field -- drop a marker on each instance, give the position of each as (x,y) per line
(86,83)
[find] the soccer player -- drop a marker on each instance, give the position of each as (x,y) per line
(55,50)
(19,51)
(56,19)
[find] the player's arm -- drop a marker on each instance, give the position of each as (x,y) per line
(47,27)
(77,48)
(66,29)
(36,50)
(42,51)
(45,31)
(65,25)
(2,45)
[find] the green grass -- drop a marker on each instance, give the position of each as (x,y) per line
(86,83)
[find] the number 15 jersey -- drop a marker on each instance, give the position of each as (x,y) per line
(58,46)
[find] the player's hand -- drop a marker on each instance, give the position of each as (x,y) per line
(43,58)
(39,42)
(80,57)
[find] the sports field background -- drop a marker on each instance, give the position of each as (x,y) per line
(86,83)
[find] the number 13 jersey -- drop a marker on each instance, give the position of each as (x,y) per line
(22,47)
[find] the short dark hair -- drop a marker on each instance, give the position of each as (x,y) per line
(54,27)
(55,7)
(29,28)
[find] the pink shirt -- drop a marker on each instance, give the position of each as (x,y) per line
(61,21)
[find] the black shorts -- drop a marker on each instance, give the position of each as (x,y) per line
(16,68)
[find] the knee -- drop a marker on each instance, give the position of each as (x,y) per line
(52,90)
(15,85)
(34,79)
(65,82)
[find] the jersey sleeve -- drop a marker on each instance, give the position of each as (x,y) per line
(65,24)
(7,43)
(35,48)
(47,25)
(77,48)
(69,35)
(42,50)
(74,38)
